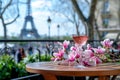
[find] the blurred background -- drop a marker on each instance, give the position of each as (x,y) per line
(36,25)
(41,19)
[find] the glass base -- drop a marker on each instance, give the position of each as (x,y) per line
(80,66)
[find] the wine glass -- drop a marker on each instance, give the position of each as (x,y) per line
(80,41)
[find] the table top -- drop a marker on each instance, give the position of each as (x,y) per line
(62,70)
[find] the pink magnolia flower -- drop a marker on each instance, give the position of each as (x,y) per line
(64,44)
(99,50)
(89,46)
(59,55)
(71,57)
(77,52)
(93,61)
(107,43)
(88,54)
(77,55)
(55,58)
(73,48)
(86,62)
(94,58)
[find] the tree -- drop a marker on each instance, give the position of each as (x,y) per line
(64,9)
(75,14)
(9,12)
(89,22)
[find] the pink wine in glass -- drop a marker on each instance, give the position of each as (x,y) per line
(81,40)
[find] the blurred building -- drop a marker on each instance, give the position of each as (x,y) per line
(108,18)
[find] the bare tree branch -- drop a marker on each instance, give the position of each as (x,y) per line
(87,2)
(6,7)
(80,14)
(69,18)
(13,20)
(74,2)
(15,17)
(3,20)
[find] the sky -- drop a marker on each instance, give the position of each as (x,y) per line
(40,13)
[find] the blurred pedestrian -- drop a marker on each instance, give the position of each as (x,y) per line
(30,50)
(20,54)
(22,51)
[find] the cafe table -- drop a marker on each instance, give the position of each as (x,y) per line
(50,70)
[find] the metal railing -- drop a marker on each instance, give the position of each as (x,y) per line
(30,77)
(41,45)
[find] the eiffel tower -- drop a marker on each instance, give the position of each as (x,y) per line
(29,33)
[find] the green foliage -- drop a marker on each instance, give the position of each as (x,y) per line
(46,58)
(9,69)
(36,58)
(5,66)
(21,69)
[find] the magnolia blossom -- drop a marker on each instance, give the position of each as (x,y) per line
(58,56)
(99,50)
(71,57)
(64,44)
(77,55)
(94,60)
(107,43)
(88,57)
(88,54)
(89,46)
(77,51)
(73,48)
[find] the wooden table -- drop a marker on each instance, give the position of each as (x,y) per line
(50,70)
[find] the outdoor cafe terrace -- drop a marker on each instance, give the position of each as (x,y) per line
(42,47)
